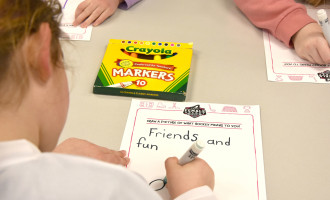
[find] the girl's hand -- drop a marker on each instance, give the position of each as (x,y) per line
(81,147)
(95,12)
(310,44)
(181,179)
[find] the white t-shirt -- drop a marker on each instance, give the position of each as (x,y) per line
(26,173)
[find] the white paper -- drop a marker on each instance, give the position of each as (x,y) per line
(284,65)
(236,159)
(66,25)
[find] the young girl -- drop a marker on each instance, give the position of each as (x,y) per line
(34,102)
(288,21)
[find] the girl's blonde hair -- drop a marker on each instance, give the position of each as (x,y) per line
(19,19)
(315,2)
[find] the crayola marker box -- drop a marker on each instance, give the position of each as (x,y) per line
(148,69)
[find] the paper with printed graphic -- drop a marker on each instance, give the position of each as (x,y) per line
(284,65)
(156,130)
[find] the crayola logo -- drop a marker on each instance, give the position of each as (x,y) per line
(148,50)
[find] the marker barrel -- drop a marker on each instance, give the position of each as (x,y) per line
(192,152)
(324,23)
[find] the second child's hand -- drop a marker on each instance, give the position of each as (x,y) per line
(310,44)
(94,12)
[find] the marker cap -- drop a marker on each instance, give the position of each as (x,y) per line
(322,15)
(198,146)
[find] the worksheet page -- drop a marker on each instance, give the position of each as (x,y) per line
(70,32)
(156,130)
(284,65)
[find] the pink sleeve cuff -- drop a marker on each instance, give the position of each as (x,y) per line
(291,24)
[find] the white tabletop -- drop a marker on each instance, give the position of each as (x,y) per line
(228,67)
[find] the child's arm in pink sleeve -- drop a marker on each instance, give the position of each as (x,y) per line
(282,18)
